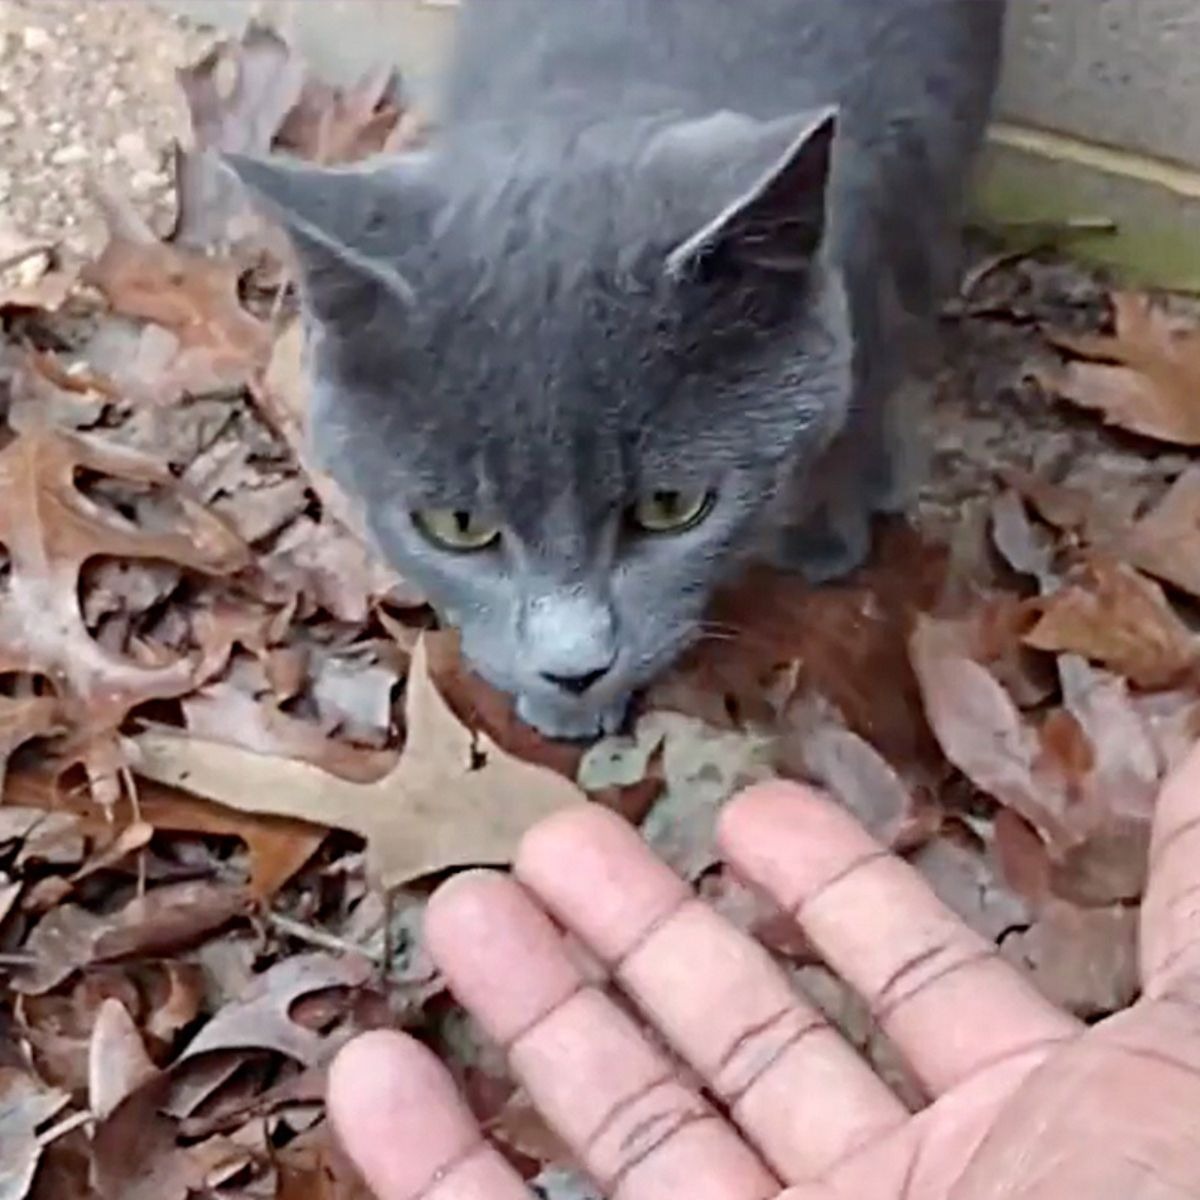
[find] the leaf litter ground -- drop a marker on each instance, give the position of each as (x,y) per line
(237,753)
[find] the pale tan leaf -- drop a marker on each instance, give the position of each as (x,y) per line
(438,808)
(117,1060)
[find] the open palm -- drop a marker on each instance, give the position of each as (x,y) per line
(1026,1102)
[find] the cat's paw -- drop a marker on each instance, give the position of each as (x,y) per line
(571,724)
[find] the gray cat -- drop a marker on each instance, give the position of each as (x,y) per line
(638,313)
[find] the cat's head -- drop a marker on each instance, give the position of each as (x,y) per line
(567,375)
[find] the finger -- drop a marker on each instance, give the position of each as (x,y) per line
(1170,945)
(939,990)
(796,1089)
(610,1095)
(407,1130)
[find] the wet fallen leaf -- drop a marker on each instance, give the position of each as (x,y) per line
(135,1155)
(25,1105)
(263,1018)
(1145,377)
(439,808)
(1111,614)
(1165,542)
(981,730)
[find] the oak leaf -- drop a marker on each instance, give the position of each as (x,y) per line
(50,529)
(454,799)
(1144,377)
(1115,616)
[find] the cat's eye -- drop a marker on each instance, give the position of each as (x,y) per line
(457,529)
(670,511)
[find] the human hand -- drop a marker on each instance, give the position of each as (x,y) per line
(1026,1103)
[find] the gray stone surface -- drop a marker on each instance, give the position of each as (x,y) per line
(1115,73)
(1120,72)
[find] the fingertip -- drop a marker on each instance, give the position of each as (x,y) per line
(553,841)
(788,837)
(464,907)
(758,812)
(396,1111)
(503,958)
(596,874)
(404,1125)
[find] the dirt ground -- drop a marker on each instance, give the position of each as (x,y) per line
(87,90)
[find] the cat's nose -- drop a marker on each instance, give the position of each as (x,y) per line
(577,684)
(569,639)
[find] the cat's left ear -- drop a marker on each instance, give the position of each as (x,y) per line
(346,226)
(769,184)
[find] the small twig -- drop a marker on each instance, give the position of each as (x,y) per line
(65,1126)
(129,783)
(316,937)
(17,959)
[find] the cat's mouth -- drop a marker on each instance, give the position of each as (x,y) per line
(571,722)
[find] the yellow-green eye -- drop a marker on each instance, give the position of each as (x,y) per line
(669,511)
(457,529)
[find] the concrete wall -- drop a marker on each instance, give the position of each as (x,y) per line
(1099,112)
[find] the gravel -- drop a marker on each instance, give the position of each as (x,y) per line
(88,94)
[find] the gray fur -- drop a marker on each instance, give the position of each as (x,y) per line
(658,244)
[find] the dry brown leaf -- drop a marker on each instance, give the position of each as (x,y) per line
(332,125)
(981,730)
(1085,778)
(238,96)
(192,297)
(25,1105)
(117,1060)
(224,713)
(1144,378)
(167,919)
(438,809)
(135,1155)
(22,720)
(1112,615)
(1165,542)
(1083,960)
(50,529)
(263,1018)
(277,846)
(817,747)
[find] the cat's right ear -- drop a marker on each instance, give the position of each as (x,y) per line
(766,183)
(343,225)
